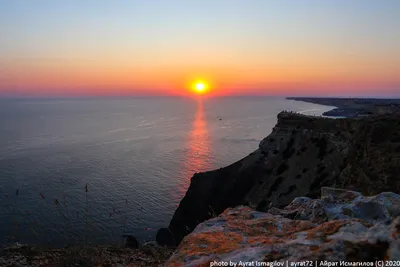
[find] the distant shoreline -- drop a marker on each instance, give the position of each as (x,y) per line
(353,107)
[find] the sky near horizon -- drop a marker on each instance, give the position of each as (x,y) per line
(240,47)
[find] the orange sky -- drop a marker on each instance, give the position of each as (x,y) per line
(239,49)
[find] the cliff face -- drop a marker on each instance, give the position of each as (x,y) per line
(301,155)
(341,226)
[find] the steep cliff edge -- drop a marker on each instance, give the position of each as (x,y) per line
(301,155)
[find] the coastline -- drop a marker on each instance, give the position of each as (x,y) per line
(353,107)
(301,155)
(309,100)
(266,179)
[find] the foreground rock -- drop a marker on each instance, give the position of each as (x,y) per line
(131,242)
(342,225)
(301,155)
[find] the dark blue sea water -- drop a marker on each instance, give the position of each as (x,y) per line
(135,156)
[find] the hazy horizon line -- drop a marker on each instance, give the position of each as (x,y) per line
(11,97)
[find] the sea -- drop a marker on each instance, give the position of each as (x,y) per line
(91,170)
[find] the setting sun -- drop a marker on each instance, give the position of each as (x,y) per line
(200,87)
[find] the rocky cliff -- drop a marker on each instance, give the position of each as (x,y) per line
(341,226)
(301,155)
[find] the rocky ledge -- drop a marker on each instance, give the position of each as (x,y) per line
(342,225)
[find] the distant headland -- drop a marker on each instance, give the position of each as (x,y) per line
(354,107)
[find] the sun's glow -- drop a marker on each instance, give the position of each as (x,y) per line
(200,87)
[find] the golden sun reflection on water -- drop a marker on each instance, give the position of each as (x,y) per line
(197,150)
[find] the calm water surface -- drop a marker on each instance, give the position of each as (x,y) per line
(136,156)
